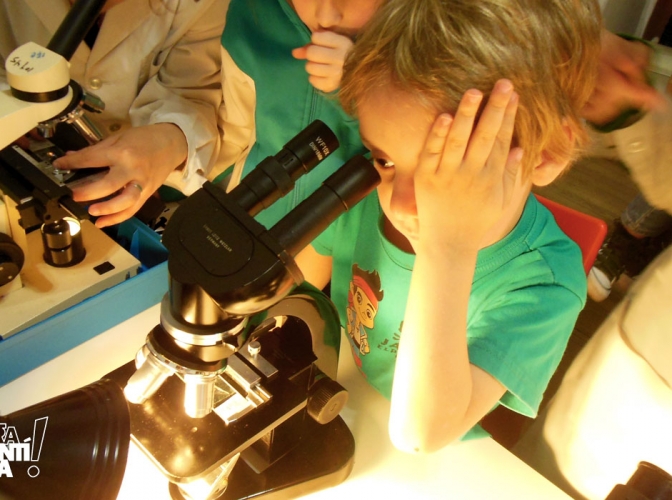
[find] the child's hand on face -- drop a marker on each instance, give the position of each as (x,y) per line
(465,178)
(325,56)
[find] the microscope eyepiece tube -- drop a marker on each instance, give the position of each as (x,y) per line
(343,189)
(275,176)
(74,27)
(310,146)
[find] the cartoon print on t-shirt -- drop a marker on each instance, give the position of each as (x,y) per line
(391,345)
(363,298)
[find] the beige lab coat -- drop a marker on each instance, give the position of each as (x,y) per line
(154,61)
(614,406)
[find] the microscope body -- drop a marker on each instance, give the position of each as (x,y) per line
(243,362)
(41,93)
(40,96)
(32,70)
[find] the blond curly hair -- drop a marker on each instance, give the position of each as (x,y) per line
(435,50)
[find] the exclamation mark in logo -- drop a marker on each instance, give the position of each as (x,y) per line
(39,430)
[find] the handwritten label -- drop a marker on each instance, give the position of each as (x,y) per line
(20,64)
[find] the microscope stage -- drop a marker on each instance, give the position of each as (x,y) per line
(185,449)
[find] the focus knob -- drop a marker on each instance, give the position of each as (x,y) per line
(326,400)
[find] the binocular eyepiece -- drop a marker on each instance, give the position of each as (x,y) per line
(276,175)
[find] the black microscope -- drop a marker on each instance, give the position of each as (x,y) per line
(235,392)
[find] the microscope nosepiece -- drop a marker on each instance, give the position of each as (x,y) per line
(146,380)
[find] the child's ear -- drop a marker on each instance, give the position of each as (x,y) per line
(548,168)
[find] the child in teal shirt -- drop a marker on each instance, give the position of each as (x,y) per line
(457,289)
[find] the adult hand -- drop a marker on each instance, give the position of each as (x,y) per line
(139,160)
(621,81)
(325,55)
(465,177)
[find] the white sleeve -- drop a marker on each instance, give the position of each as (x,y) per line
(185,88)
(646,149)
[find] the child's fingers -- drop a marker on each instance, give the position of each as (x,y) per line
(431,154)
(325,47)
(642,95)
(300,52)
(460,130)
(489,125)
(330,39)
(325,55)
(502,144)
(322,70)
(324,83)
(513,164)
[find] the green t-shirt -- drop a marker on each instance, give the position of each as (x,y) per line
(527,292)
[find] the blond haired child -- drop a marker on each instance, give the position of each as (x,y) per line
(479,288)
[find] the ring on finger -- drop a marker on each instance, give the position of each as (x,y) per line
(135,185)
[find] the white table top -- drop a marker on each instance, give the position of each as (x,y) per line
(480,469)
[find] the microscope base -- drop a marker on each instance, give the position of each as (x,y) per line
(284,453)
(323,460)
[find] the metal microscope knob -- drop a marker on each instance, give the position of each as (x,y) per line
(11,259)
(326,400)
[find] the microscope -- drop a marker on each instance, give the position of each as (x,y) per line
(233,394)
(43,230)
